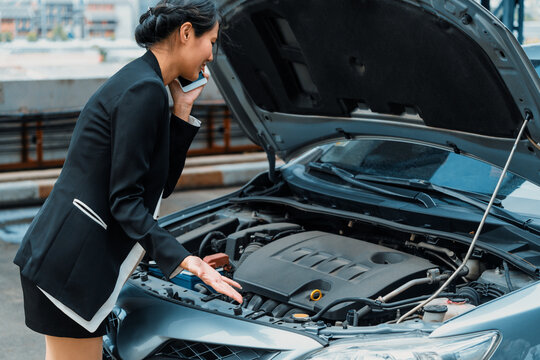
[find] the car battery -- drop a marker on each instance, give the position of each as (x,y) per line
(185,278)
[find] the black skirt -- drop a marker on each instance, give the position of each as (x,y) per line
(42,316)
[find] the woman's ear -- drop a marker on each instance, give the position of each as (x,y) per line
(186,31)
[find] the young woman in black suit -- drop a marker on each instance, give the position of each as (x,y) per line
(127,151)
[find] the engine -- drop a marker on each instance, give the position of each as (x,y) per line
(290,270)
(291,263)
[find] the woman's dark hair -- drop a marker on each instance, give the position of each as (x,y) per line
(168,15)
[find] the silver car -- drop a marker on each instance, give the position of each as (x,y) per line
(405,223)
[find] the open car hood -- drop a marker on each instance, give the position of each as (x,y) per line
(298,73)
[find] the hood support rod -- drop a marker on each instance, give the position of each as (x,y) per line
(528,116)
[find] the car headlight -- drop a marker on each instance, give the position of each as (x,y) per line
(466,347)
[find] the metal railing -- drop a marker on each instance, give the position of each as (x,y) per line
(41,140)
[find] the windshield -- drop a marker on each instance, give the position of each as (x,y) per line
(395,159)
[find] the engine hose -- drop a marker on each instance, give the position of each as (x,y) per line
(430,279)
(207,239)
(250,249)
(366,309)
(371,303)
(246,225)
(285,233)
(507,276)
(415,299)
(365,301)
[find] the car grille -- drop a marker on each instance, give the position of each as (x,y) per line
(187,350)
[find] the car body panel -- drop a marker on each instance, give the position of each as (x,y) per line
(381,126)
(169,320)
(276,127)
(511,315)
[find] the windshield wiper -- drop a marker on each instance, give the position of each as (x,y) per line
(418,197)
(477,200)
(366,182)
(474,199)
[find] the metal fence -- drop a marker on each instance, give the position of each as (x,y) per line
(40,140)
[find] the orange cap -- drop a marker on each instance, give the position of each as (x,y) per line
(315,295)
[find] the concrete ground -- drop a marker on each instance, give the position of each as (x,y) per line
(16,340)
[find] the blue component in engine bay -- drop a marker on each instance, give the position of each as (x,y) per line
(184,279)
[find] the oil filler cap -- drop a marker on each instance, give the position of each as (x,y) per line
(315,295)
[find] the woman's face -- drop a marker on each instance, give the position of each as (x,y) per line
(197,51)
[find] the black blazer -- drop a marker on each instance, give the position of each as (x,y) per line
(125,150)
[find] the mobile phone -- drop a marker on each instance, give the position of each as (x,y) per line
(188,85)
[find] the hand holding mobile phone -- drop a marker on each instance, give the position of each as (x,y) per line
(188,85)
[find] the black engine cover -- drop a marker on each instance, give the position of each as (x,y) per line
(289,269)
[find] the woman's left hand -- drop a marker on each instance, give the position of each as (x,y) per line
(183,101)
(211,277)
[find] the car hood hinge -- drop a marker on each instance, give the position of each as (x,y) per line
(271,156)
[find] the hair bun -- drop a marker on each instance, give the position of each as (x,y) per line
(160,21)
(145,31)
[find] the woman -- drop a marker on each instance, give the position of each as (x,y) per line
(126,151)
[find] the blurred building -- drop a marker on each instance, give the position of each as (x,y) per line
(18,21)
(62,19)
(55,14)
(100,18)
(127,15)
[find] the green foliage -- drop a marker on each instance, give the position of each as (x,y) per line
(57,33)
(32,36)
(6,36)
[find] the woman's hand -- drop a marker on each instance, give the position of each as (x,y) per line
(183,102)
(210,276)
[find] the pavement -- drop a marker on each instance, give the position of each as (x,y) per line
(16,340)
(33,187)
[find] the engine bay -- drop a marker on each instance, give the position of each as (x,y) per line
(311,269)
(295,266)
